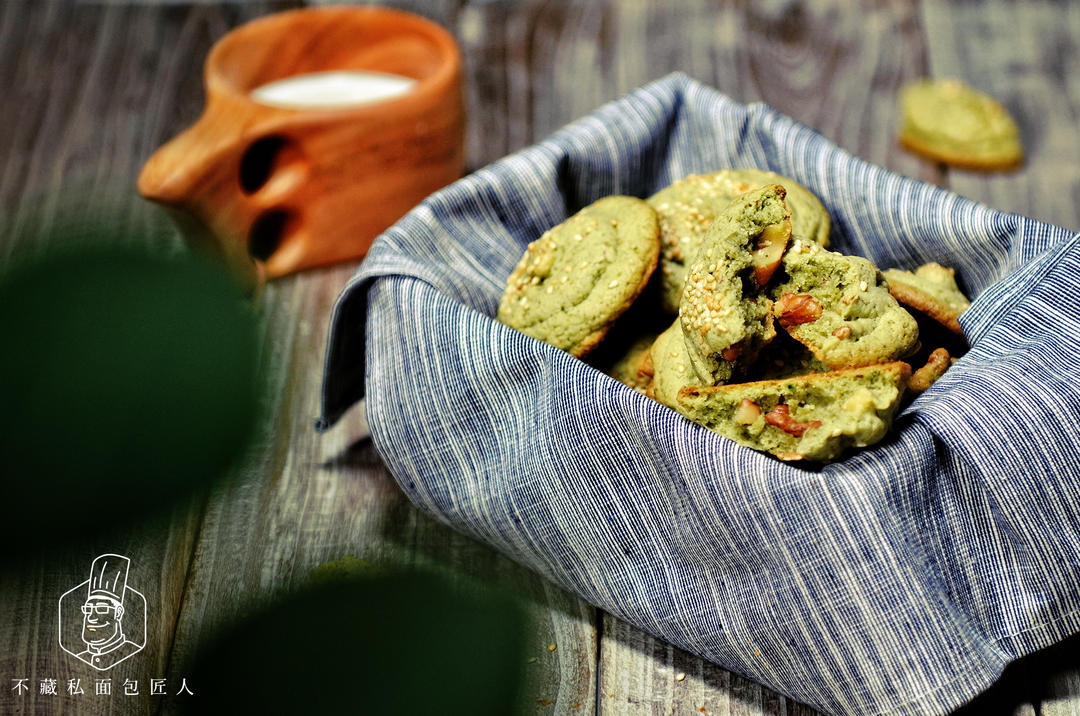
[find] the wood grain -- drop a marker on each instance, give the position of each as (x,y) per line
(89,91)
(74,82)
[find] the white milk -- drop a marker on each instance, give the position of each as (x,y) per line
(332,90)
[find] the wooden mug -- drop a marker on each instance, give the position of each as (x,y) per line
(278,189)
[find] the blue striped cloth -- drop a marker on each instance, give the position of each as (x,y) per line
(900,580)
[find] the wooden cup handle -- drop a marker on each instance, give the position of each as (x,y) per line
(196,176)
(176,173)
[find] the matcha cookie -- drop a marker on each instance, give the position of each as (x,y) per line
(725,316)
(671,367)
(575,280)
(931,289)
(840,308)
(948,121)
(812,417)
(809,219)
(687,208)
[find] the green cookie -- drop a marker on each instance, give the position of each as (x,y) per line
(687,208)
(809,219)
(726,318)
(812,417)
(671,367)
(931,289)
(577,278)
(840,308)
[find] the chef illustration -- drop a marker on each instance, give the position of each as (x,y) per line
(103,614)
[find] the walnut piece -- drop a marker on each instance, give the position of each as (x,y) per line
(794,309)
(780,416)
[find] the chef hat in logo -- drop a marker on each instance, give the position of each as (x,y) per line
(108,577)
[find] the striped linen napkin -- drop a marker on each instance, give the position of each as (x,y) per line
(900,580)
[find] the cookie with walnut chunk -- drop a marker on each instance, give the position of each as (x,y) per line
(725,315)
(578,277)
(688,207)
(811,417)
(840,308)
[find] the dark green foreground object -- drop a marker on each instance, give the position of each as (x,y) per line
(370,642)
(127,381)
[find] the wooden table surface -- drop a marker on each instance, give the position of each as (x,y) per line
(88,91)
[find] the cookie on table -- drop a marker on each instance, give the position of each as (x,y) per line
(687,208)
(840,308)
(671,369)
(948,121)
(931,289)
(726,318)
(812,417)
(578,277)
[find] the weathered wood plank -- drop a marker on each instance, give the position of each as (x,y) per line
(642,674)
(73,87)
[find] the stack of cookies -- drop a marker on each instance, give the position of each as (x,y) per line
(719,298)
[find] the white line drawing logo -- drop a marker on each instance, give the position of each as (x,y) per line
(103,620)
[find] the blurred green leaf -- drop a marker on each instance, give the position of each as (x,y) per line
(366,643)
(127,380)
